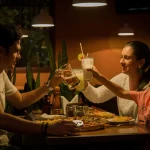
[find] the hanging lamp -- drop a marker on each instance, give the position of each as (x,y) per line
(125,31)
(24,31)
(89,3)
(43,19)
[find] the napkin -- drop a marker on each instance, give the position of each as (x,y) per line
(46,116)
(64,102)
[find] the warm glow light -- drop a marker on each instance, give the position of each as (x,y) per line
(42,25)
(24,36)
(89,3)
(24,31)
(125,31)
(125,34)
(43,19)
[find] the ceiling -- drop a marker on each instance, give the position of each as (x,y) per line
(14,3)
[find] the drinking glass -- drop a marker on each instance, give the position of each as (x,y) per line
(79,73)
(87,63)
(69,77)
(81,111)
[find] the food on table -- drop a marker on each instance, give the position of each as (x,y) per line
(102,114)
(96,120)
(87,119)
(90,123)
(121,119)
(91,126)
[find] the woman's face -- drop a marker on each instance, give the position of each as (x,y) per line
(129,62)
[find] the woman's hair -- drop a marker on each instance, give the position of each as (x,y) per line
(9,34)
(142,51)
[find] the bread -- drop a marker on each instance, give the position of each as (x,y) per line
(121,119)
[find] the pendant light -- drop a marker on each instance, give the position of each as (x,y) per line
(125,31)
(89,3)
(25,34)
(43,19)
(24,31)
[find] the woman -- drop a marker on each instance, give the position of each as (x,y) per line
(135,61)
(141,98)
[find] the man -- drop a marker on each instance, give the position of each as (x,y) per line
(10,37)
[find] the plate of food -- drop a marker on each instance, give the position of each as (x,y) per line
(87,123)
(121,120)
(102,114)
(79,123)
(91,126)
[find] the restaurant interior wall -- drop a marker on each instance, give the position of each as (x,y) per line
(96,29)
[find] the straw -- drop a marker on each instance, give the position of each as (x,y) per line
(87,55)
(81,49)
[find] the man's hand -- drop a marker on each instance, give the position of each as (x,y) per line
(55,80)
(62,127)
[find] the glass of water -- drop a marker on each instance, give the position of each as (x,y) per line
(87,63)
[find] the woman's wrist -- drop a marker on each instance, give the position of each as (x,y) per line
(86,84)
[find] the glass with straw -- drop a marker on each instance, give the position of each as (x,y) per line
(87,63)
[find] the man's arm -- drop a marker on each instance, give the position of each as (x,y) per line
(12,123)
(21,100)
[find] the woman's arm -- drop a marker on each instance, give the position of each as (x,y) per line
(116,89)
(102,93)
(98,95)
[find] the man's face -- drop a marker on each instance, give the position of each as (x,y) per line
(8,60)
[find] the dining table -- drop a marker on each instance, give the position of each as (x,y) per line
(116,137)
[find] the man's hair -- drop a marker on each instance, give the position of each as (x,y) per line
(9,34)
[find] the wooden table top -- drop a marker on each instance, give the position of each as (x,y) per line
(108,138)
(115,133)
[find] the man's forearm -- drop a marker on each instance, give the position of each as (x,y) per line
(33,96)
(15,124)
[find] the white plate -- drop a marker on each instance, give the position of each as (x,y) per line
(46,116)
(132,121)
(79,123)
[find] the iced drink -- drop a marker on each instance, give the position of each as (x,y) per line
(79,74)
(87,63)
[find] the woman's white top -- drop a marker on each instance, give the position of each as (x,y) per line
(102,94)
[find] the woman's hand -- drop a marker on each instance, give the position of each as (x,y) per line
(148,119)
(96,73)
(62,127)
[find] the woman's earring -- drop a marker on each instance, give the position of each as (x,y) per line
(140,70)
